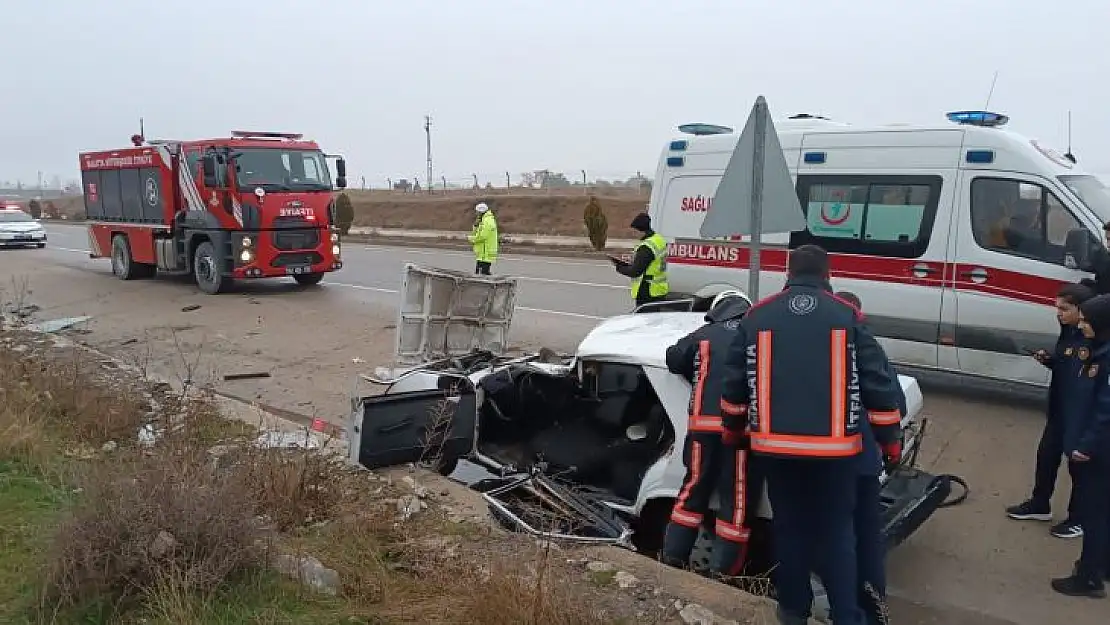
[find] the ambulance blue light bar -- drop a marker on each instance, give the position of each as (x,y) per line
(986,119)
(701,130)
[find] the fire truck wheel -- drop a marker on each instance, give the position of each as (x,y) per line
(308,279)
(123,266)
(206,269)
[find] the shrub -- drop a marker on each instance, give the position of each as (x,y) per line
(597,225)
(344,213)
(34,208)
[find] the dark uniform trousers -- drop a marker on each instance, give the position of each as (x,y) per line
(713,467)
(1093,484)
(1050,453)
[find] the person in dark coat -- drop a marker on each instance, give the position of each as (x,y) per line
(1087,446)
(802,374)
(1100,284)
(1065,361)
(714,465)
(870,545)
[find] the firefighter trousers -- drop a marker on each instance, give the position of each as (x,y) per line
(713,468)
(813,503)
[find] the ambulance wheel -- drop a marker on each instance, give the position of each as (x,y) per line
(308,279)
(206,270)
(123,265)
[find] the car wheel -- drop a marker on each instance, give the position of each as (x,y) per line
(308,279)
(123,266)
(206,270)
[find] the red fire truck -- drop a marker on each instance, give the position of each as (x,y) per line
(254,205)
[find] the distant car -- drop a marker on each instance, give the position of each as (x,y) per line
(18,229)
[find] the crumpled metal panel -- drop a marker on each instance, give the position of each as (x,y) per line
(445,313)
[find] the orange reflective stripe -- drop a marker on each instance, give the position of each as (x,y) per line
(810,446)
(838,381)
(736,531)
(705,423)
(763,379)
(884,417)
(680,514)
(703,369)
(736,410)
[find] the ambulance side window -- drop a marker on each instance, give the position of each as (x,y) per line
(1020,218)
(872,215)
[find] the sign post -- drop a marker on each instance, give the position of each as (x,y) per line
(756,194)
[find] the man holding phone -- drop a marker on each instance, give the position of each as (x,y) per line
(1072,351)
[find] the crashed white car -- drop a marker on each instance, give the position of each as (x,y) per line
(586,447)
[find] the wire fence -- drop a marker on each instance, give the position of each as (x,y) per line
(507,183)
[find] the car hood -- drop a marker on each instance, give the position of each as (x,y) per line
(20,227)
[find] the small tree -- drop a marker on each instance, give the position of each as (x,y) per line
(597,225)
(34,208)
(344,213)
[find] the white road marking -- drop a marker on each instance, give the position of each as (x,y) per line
(362,287)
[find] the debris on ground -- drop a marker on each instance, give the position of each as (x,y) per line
(190,308)
(308,571)
(288,440)
(56,325)
(246,376)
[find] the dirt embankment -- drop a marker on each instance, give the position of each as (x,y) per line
(526,212)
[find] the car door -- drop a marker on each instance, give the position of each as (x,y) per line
(431,426)
(1009,264)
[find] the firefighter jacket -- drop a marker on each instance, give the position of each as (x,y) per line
(484,238)
(699,357)
(1071,354)
(1087,420)
(803,371)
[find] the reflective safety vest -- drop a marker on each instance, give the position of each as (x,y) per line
(656,273)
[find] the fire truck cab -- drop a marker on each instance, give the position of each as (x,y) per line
(254,205)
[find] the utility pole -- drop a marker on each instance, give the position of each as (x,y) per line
(428,135)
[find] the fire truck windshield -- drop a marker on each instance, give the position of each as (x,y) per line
(276,169)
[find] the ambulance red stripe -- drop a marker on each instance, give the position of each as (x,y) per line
(1001,283)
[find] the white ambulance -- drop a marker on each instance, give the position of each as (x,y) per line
(955,237)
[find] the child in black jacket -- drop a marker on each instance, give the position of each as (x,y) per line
(1071,351)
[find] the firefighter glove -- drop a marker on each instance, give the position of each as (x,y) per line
(892,455)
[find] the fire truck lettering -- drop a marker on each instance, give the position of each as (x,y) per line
(115,162)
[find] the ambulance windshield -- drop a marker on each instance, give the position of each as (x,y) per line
(1092,192)
(275,169)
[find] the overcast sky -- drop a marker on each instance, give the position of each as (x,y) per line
(515,86)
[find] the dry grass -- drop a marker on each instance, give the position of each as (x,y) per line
(181,531)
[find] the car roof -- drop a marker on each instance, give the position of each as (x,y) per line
(640,339)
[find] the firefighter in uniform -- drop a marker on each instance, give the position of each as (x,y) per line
(801,374)
(648,268)
(713,465)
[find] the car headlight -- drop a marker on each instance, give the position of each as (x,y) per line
(247,242)
(335,237)
(335,250)
(246,256)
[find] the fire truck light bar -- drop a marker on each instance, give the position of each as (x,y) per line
(245,134)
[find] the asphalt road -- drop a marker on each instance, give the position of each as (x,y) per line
(968,564)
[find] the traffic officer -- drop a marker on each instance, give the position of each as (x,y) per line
(484,239)
(1087,446)
(648,268)
(713,465)
(870,544)
(802,373)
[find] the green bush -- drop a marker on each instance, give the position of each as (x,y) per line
(597,225)
(34,208)
(344,213)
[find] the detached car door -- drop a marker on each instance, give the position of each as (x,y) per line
(435,427)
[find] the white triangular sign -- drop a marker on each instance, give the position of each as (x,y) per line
(731,211)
